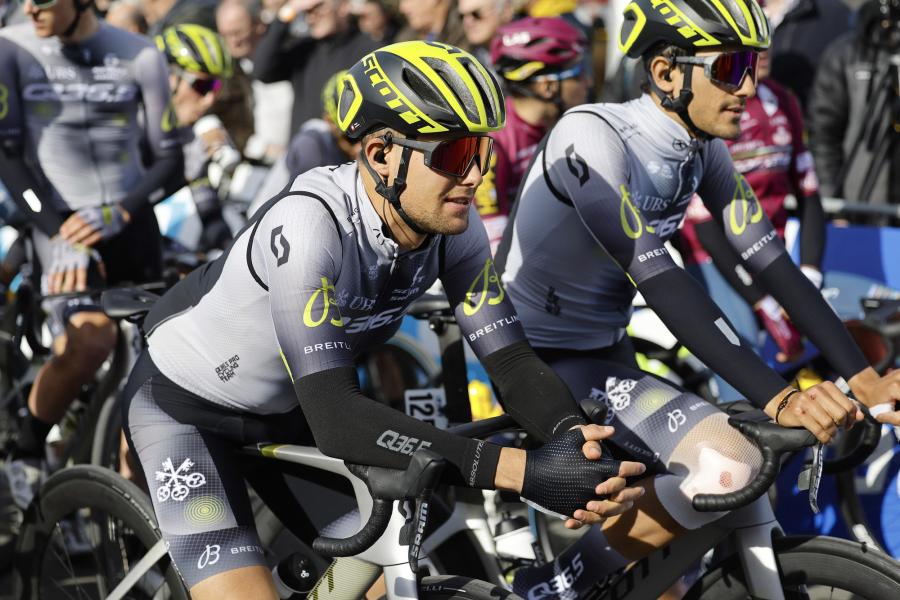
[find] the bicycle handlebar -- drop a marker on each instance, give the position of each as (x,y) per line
(867,442)
(385,485)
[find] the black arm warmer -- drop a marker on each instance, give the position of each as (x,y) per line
(349,426)
(532,393)
(727,261)
(812,231)
(691,316)
(18,178)
(812,315)
(165,169)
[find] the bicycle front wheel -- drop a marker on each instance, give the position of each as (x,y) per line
(84,534)
(811,568)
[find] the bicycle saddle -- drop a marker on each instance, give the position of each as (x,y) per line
(127,303)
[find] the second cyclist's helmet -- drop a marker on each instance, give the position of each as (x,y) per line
(196,49)
(693,25)
(419,88)
(530,47)
(331,94)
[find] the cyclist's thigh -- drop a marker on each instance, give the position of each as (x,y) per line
(198,493)
(651,415)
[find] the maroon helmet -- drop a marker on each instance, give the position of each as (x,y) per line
(534,46)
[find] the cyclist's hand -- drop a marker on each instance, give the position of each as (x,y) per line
(561,480)
(821,409)
(90,225)
(68,268)
(878,393)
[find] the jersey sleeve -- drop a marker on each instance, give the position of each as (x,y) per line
(297,251)
(152,75)
(483,310)
(734,205)
(585,163)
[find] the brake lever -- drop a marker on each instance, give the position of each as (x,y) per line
(811,477)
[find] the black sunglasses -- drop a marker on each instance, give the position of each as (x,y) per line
(451,157)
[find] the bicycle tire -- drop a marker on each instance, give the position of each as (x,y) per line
(454,587)
(89,487)
(810,560)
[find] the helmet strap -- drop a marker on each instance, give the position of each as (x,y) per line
(679,105)
(80,8)
(391,193)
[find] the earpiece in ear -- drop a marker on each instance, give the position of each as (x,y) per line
(668,76)
(379,156)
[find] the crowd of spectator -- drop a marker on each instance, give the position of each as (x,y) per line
(838,57)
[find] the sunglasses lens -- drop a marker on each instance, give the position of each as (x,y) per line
(43,3)
(455,156)
(729,68)
(205,86)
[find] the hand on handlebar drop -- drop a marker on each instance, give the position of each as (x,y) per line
(68,269)
(879,394)
(821,410)
(572,477)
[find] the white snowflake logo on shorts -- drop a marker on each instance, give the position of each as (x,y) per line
(617,396)
(177,483)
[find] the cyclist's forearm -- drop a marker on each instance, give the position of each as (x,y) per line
(701,326)
(531,392)
(156,180)
(812,315)
(352,427)
(812,231)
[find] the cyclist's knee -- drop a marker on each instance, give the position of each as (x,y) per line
(715,458)
(90,337)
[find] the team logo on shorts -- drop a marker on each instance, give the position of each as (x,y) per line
(617,396)
(177,483)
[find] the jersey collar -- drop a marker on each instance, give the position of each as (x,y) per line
(670,138)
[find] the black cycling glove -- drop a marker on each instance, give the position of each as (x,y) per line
(559,479)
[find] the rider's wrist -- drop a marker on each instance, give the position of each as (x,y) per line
(862,383)
(510,472)
(480,464)
(783,403)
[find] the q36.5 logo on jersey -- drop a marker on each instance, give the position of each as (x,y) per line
(481,287)
(744,208)
(325,293)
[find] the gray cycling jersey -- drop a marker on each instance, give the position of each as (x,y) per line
(77,110)
(609,187)
(308,284)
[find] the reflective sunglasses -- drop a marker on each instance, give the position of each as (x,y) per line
(727,69)
(201,86)
(43,4)
(451,157)
(475,14)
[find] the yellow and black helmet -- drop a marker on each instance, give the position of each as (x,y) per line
(331,94)
(196,49)
(693,25)
(419,88)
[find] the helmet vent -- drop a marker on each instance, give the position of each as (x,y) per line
(455,83)
(424,88)
(483,87)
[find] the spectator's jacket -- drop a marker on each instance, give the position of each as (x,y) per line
(307,63)
(845,97)
(800,39)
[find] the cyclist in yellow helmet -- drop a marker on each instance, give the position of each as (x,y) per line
(265,337)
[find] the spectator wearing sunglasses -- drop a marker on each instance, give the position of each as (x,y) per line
(541,61)
(432,20)
(78,99)
(333,42)
(199,64)
(481,19)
